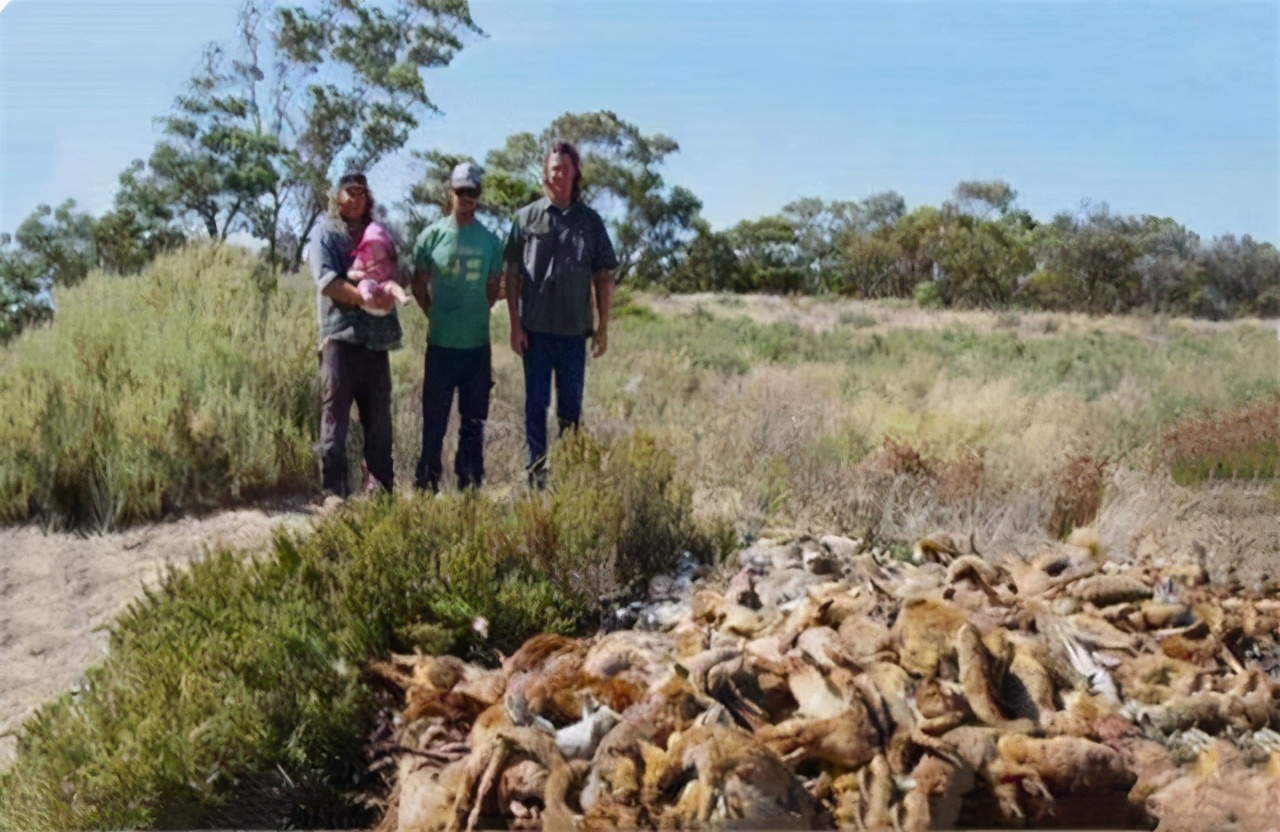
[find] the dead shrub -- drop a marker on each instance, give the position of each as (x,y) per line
(1077,493)
(952,479)
(904,460)
(961,476)
(1241,444)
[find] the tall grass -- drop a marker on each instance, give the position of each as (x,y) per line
(188,387)
(194,385)
(234,696)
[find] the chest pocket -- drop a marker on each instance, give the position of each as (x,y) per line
(572,244)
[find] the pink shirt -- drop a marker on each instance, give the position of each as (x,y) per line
(375,255)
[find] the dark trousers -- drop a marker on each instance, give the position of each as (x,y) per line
(467,372)
(354,373)
(565,357)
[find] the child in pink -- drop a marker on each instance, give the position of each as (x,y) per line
(375,269)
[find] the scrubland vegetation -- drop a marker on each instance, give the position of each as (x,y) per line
(235,694)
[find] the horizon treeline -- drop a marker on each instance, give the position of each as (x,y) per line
(301,94)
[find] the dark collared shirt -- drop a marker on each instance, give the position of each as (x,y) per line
(558,252)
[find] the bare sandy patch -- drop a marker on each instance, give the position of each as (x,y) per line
(58,594)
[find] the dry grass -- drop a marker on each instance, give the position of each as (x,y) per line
(1241,444)
(774,408)
(781,410)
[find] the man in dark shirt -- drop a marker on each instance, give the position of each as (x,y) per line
(557,251)
(354,365)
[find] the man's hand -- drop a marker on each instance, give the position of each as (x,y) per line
(600,342)
(343,292)
(519,340)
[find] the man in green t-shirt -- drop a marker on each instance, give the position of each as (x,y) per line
(458,268)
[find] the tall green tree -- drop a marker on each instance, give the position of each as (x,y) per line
(26,290)
(1090,260)
(305,93)
(869,258)
(215,160)
(51,247)
(140,224)
(979,262)
(1241,276)
(59,242)
(818,225)
(980,245)
(769,258)
(1170,264)
(650,222)
(707,264)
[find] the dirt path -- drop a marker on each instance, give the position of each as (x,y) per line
(57,591)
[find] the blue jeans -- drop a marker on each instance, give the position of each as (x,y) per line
(565,356)
(468,373)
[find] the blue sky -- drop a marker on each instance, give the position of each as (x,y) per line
(1167,108)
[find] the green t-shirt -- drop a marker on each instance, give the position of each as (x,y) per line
(460,261)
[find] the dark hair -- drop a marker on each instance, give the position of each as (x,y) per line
(353,179)
(566,149)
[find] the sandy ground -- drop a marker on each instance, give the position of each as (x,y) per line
(58,591)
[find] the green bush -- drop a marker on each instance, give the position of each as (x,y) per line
(190,386)
(233,695)
(927,294)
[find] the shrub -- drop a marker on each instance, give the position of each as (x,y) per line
(187,387)
(233,695)
(1240,444)
(1077,494)
(927,294)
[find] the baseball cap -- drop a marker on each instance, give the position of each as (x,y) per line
(353,179)
(466,175)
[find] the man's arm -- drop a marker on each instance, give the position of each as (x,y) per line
(326,272)
(493,288)
(512,260)
(603,282)
(519,341)
(342,292)
(422,285)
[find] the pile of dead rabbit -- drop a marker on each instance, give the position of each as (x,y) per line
(826,686)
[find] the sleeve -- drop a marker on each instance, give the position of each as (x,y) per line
(325,267)
(422,249)
(514,251)
(604,258)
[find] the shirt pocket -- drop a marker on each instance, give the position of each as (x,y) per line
(539,251)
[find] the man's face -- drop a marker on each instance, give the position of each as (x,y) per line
(353,199)
(560,173)
(464,203)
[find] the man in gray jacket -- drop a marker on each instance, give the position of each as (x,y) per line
(354,364)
